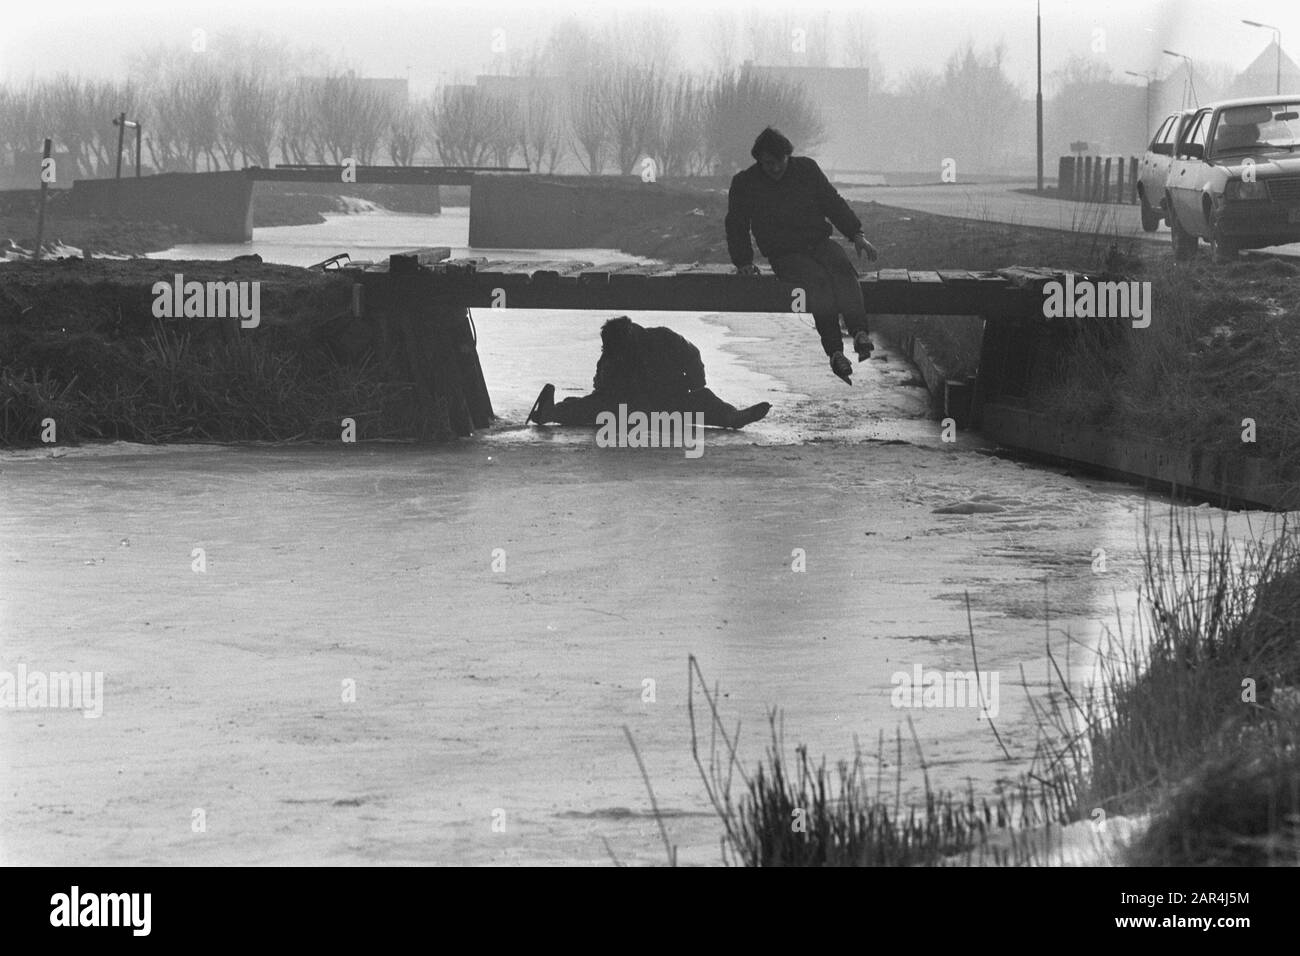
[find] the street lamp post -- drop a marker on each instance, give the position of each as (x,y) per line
(1191,83)
(1148,77)
(1277,42)
(123,124)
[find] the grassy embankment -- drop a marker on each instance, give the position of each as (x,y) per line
(1191,722)
(1223,344)
(79,345)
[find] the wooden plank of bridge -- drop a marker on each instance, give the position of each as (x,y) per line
(411,260)
(713,286)
(459,267)
(1029,277)
(643,268)
(707,285)
(633,281)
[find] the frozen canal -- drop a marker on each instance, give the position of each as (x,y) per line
(387,653)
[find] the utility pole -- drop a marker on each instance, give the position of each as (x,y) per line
(1040,97)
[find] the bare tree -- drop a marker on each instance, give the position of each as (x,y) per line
(465,125)
(645,39)
(349,119)
(251,117)
(740,103)
(788,39)
(406,133)
(680,140)
(724,40)
(858,50)
(105,101)
(588,130)
(632,112)
(197,99)
(573,52)
(294,109)
(505,127)
(541,139)
(978,103)
(72,125)
(25,118)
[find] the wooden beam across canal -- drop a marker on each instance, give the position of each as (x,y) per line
(480,282)
(420,301)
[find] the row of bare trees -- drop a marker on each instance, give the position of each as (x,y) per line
(77,114)
(198,118)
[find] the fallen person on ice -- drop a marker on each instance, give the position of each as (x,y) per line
(647,370)
(786,201)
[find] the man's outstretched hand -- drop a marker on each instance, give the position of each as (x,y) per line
(749,270)
(860,243)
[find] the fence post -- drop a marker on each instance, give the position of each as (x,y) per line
(1065,177)
(45,186)
(1105,182)
(121,134)
(1119,180)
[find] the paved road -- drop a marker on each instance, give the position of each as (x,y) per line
(998,202)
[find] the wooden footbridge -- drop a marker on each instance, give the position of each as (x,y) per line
(416,306)
(420,299)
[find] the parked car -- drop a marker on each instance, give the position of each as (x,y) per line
(1155,168)
(1235,177)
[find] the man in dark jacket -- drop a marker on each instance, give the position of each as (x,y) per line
(648,370)
(786,200)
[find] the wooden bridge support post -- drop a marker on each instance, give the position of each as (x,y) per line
(426,339)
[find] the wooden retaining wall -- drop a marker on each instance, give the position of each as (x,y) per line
(1234,481)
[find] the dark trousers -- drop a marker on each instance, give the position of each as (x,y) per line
(583,411)
(831,289)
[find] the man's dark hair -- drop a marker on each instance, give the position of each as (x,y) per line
(773,143)
(617,332)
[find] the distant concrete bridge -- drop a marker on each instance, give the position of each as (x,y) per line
(376,175)
(219,205)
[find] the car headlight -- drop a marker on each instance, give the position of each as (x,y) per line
(1236,189)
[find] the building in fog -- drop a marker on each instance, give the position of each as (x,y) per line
(1260,78)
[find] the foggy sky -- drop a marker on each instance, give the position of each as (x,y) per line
(437,41)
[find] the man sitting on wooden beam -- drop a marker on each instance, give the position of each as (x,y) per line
(648,370)
(786,201)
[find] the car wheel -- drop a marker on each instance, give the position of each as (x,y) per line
(1185,244)
(1223,248)
(1150,217)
